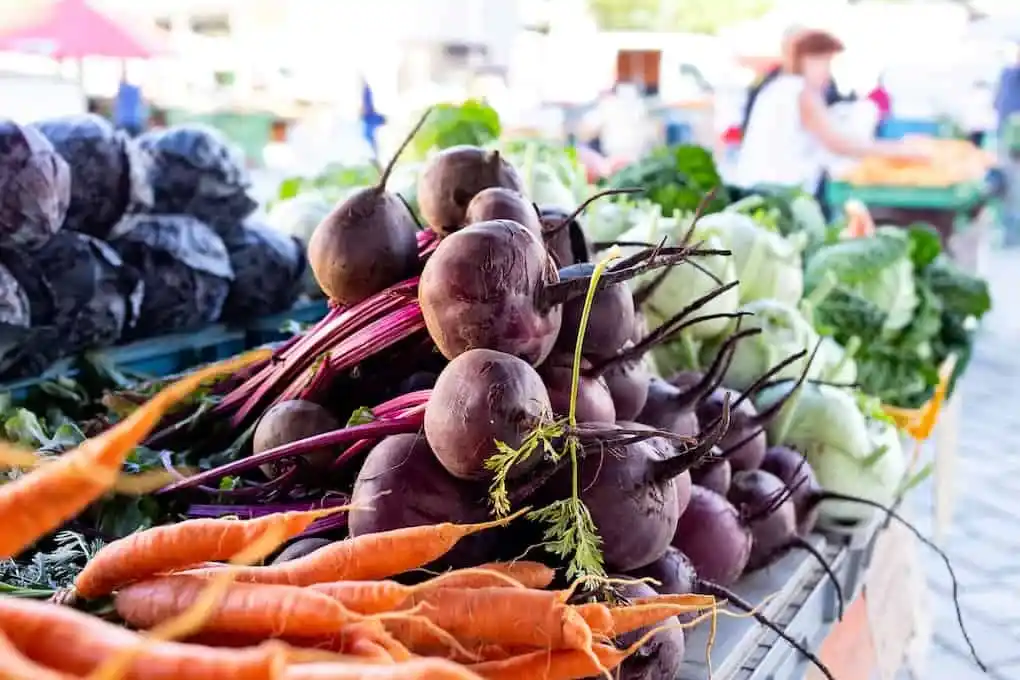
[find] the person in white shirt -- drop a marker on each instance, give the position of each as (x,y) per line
(621,121)
(791,132)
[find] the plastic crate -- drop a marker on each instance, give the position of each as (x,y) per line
(155,357)
(270,329)
(897,128)
(958,197)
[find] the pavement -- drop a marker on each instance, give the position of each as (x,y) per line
(983,541)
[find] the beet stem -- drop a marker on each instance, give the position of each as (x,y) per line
(892,514)
(671,467)
(417,222)
(722,593)
(698,214)
(716,370)
(588,201)
(388,170)
(765,377)
(805,545)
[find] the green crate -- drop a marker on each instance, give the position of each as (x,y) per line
(958,197)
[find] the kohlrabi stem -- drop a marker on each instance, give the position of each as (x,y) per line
(849,351)
(575,374)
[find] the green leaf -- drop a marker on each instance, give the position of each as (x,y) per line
(925,245)
(361,416)
(289,188)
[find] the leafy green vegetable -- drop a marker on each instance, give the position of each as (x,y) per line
(51,570)
(473,122)
(675,178)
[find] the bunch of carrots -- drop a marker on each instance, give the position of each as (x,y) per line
(200,606)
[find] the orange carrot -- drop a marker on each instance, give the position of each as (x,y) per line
(369,557)
(176,546)
(645,611)
(507,616)
(76,643)
(528,574)
(418,669)
(43,499)
(252,608)
(598,617)
(16,666)
(564,664)
(377,597)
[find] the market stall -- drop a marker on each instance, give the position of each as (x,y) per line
(700,396)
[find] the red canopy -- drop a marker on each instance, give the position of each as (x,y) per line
(71,29)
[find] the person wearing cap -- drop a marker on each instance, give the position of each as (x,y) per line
(832,93)
(791,134)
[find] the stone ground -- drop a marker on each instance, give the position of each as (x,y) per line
(984,539)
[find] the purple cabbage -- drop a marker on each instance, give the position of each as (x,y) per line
(35,187)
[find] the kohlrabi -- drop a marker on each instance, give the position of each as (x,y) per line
(784,332)
(767,264)
(686,282)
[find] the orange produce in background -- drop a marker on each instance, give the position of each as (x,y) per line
(950,161)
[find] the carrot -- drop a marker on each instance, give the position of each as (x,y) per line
(369,557)
(645,611)
(563,664)
(16,666)
(43,499)
(418,669)
(598,617)
(507,616)
(176,546)
(77,644)
(529,574)
(377,597)
(252,608)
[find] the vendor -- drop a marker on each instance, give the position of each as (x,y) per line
(791,135)
(1007,109)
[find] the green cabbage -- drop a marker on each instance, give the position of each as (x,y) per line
(767,264)
(876,271)
(784,332)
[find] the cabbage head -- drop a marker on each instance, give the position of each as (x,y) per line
(35,187)
(685,283)
(15,318)
(197,171)
(767,264)
(268,270)
(818,420)
(784,332)
(298,217)
(833,364)
(873,273)
(110,173)
(607,220)
(185,266)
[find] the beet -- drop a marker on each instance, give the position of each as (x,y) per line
(402,485)
(453,177)
(715,474)
(634,491)
(673,572)
(662,655)
(594,402)
(483,288)
(367,243)
(610,321)
(671,405)
(291,421)
(710,532)
(628,386)
(562,233)
(499,203)
(482,397)
(793,469)
(764,503)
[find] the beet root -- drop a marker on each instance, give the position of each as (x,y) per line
(745,443)
(665,409)
(402,485)
(482,397)
(673,572)
(499,203)
(715,474)
(291,421)
(453,177)
(662,655)
(628,383)
(763,501)
(367,243)
(610,320)
(594,402)
(710,532)
(482,288)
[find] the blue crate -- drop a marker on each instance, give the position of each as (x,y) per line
(270,329)
(153,357)
(897,128)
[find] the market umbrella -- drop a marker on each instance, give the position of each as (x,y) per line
(72,29)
